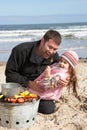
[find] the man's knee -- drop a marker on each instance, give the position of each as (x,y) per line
(46,107)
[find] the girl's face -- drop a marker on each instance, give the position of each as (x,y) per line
(63,63)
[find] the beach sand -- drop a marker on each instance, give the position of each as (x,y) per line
(71,112)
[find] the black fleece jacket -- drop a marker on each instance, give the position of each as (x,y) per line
(21,65)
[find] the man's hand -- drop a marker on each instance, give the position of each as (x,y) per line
(34,85)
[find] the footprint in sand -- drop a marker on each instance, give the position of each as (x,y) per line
(71,126)
(83,106)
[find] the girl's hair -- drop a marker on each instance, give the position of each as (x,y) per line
(72,58)
(73,80)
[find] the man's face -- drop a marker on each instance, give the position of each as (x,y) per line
(49,48)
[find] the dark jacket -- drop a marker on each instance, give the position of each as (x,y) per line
(21,65)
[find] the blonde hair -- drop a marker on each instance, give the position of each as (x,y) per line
(73,80)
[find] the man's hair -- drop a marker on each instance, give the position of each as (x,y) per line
(52,34)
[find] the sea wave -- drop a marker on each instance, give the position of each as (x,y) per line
(20,35)
(74,33)
(74,37)
(29,35)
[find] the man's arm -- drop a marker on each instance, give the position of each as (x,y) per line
(14,63)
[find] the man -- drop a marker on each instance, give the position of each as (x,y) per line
(28,60)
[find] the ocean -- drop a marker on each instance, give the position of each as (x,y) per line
(74,37)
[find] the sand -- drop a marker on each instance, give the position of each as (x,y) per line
(71,112)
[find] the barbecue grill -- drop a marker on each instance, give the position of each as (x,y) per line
(18,115)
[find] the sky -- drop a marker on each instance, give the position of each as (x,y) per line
(38,11)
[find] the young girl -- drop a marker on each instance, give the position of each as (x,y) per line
(58,75)
(54,78)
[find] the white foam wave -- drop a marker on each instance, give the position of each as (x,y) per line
(75,33)
(24,35)
(74,48)
(20,35)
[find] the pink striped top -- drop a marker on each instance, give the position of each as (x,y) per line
(53,93)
